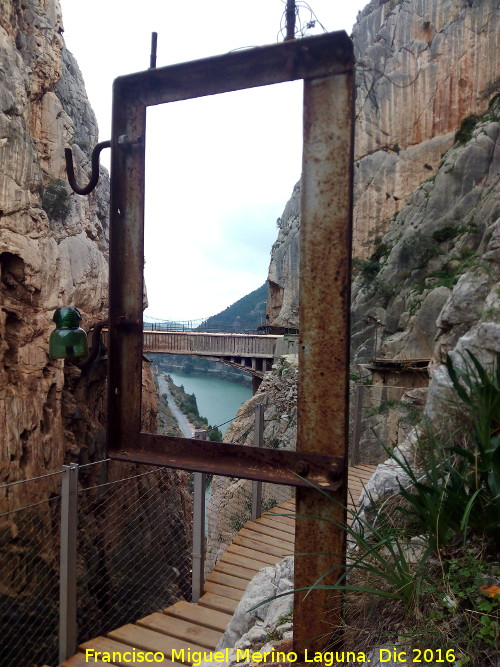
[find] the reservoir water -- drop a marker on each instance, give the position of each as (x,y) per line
(218,400)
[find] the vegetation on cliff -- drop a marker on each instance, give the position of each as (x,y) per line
(188,405)
(249,312)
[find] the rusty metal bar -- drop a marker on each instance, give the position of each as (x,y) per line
(288,61)
(323,343)
(313,57)
(276,466)
(94,177)
(326,65)
(126,268)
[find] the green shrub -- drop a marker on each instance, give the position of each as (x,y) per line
(55,199)
(445,233)
(369,269)
(417,250)
(464,132)
(446,593)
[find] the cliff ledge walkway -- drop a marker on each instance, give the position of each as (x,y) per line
(199,627)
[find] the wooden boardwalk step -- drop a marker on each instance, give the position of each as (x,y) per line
(108,645)
(208,618)
(218,577)
(198,627)
(145,639)
(267,540)
(250,553)
(259,557)
(218,603)
(245,561)
(79,660)
(271,531)
(225,591)
(174,627)
(258,546)
(244,573)
(282,523)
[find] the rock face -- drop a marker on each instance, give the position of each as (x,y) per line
(283,299)
(53,252)
(434,274)
(53,243)
(422,67)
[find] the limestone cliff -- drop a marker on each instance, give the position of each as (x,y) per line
(435,273)
(53,252)
(422,67)
(53,243)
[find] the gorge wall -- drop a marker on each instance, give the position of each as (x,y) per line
(53,244)
(53,252)
(422,67)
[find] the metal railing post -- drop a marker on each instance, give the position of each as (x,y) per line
(258,442)
(198,563)
(67,581)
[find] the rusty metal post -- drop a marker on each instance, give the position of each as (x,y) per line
(258,442)
(198,555)
(67,578)
(323,344)
(290,20)
(356,432)
(126,268)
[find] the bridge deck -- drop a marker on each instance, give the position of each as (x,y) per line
(257,346)
(200,626)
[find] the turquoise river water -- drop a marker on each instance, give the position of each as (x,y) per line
(218,400)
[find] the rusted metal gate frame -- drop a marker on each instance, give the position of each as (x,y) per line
(326,64)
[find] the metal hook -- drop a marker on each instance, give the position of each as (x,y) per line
(70,170)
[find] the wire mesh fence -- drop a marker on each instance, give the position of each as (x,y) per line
(134,546)
(229,508)
(29,584)
(380,417)
(134,552)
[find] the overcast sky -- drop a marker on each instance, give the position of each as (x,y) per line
(219,169)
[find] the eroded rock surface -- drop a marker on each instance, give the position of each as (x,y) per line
(53,243)
(423,66)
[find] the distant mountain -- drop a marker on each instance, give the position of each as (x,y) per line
(247,313)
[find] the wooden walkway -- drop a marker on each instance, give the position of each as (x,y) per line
(199,627)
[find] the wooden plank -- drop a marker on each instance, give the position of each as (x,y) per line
(285,546)
(282,523)
(225,591)
(108,645)
(148,640)
(257,546)
(79,660)
(260,558)
(209,618)
(276,516)
(235,570)
(233,558)
(218,577)
(270,531)
(182,629)
(285,530)
(218,602)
